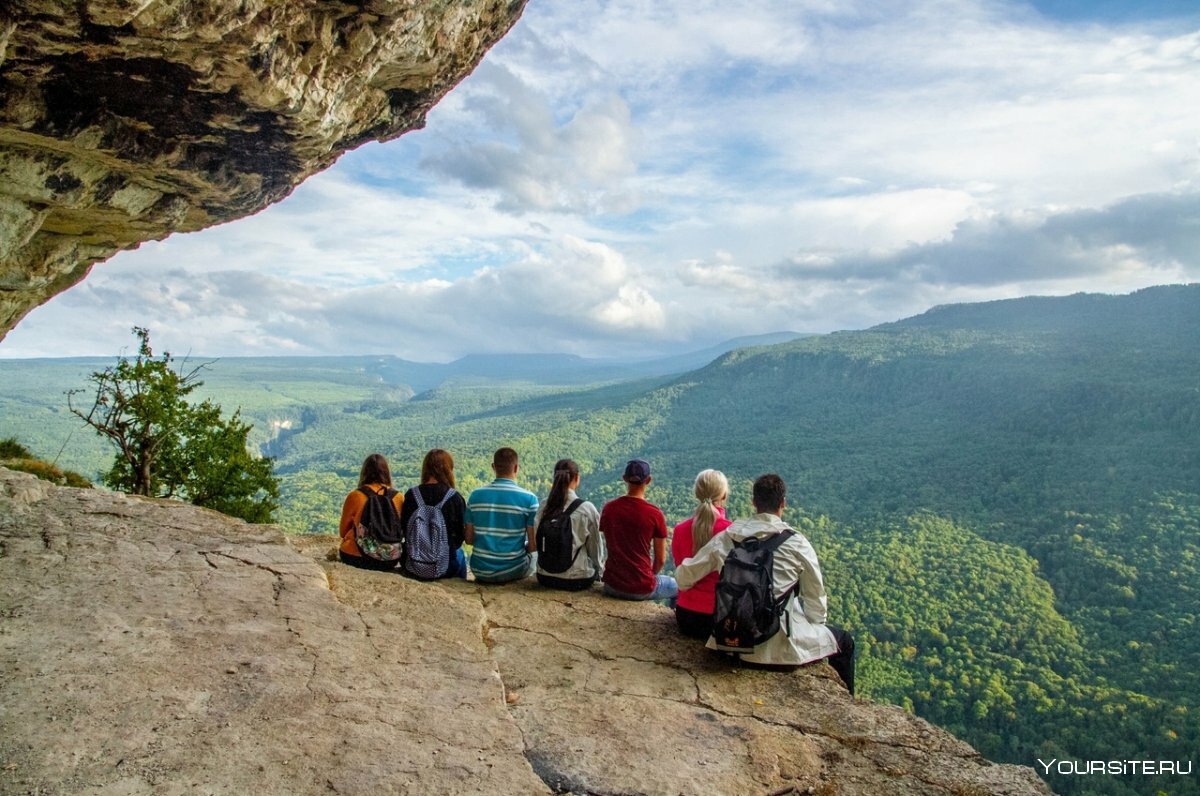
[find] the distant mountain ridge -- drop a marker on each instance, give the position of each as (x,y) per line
(1012,358)
(1165,308)
(574,369)
(542,368)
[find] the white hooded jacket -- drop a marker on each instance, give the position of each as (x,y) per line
(795,561)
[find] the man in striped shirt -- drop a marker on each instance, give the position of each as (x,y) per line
(500,524)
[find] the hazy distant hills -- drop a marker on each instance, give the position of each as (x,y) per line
(561,369)
(281,390)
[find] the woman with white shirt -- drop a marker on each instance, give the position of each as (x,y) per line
(584,560)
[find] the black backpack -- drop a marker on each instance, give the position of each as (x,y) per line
(378,533)
(747,613)
(555,542)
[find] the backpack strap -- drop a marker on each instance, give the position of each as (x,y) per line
(416,490)
(388,493)
(449,494)
(576,503)
(772,544)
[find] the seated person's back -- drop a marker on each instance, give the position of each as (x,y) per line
(632,526)
(500,524)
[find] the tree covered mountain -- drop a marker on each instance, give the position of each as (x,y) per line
(1008,498)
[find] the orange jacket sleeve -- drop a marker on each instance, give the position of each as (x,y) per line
(351,512)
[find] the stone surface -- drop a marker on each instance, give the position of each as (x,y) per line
(123,121)
(154,647)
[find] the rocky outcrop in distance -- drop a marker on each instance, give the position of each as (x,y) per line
(123,121)
(149,646)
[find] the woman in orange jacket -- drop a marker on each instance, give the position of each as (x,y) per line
(375,477)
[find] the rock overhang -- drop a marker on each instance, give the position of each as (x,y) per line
(123,122)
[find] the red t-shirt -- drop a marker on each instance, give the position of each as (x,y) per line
(628,525)
(702,597)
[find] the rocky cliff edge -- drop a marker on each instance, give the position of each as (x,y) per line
(154,647)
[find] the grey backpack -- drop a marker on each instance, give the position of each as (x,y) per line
(426,543)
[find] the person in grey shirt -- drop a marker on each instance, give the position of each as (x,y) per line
(587,544)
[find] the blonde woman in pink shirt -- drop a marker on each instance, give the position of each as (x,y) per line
(694,609)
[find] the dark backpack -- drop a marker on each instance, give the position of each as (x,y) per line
(747,613)
(378,533)
(427,544)
(555,541)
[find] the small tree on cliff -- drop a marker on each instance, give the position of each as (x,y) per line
(167,447)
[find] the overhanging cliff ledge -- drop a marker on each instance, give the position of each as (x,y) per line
(150,646)
(123,121)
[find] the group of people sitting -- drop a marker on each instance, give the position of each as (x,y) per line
(750,587)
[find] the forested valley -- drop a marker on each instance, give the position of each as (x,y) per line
(1005,496)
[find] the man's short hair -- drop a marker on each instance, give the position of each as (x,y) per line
(769,492)
(505,460)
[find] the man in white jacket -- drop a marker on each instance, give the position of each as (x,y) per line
(803,636)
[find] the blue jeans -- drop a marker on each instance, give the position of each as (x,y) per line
(665,589)
(458,565)
(529,568)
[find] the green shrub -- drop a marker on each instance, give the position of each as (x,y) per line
(11,449)
(16,456)
(47,472)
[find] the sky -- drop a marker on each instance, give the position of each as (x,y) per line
(625,178)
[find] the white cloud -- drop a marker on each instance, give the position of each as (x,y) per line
(675,172)
(719,273)
(576,165)
(1143,240)
(562,296)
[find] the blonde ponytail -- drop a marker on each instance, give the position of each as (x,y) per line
(711,488)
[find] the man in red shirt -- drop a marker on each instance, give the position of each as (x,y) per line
(630,525)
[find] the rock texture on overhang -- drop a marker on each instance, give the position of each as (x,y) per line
(123,121)
(152,646)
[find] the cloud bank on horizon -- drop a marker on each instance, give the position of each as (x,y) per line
(620,177)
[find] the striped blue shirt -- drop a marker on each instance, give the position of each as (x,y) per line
(500,513)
